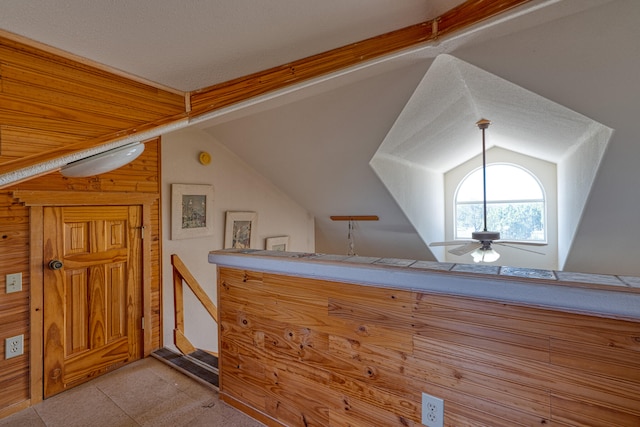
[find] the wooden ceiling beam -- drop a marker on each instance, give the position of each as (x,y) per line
(354,217)
(471,12)
(172,108)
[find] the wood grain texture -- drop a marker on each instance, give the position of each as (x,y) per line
(17,315)
(93,306)
(181,276)
(185,275)
(14,308)
(231,92)
(284,339)
(36,305)
(51,106)
(354,218)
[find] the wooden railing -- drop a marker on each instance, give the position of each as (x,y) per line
(182,275)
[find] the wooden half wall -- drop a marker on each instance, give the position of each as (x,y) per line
(53,105)
(308,352)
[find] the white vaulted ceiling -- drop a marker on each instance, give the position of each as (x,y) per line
(192,44)
(431,138)
(315,140)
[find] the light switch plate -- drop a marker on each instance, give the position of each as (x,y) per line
(13,282)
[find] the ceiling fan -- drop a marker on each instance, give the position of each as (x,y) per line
(480,246)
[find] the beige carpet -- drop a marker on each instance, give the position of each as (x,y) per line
(144,393)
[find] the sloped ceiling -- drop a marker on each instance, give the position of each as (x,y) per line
(317,150)
(559,49)
(436,136)
(195,44)
(439,135)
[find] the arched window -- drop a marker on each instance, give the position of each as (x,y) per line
(515,204)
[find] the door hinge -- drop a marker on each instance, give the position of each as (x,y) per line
(141,228)
(143,323)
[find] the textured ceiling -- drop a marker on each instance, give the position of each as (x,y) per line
(441,135)
(432,137)
(188,45)
(194,44)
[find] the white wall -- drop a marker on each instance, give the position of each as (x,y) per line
(418,191)
(576,173)
(236,188)
(591,68)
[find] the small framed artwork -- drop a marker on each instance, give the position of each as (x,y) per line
(280,243)
(191,211)
(240,230)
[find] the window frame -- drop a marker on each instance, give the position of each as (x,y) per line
(544,201)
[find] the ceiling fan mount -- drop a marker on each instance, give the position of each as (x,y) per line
(485,236)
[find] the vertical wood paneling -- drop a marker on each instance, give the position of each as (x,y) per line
(286,338)
(14,308)
(116,301)
(36,317)
(77,334)
(98,307)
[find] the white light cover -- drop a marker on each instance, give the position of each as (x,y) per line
(103,162)
(485,255)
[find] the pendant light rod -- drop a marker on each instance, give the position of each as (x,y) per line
(482,125)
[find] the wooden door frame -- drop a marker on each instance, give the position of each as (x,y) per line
(37,201)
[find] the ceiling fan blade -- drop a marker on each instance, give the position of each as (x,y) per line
(516,247)
(465,249)
(451,243)
(516,242)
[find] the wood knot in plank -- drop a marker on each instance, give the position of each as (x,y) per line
(371,372)
(363,330)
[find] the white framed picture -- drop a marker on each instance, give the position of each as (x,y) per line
(280,243)
(241,230)
(191,211)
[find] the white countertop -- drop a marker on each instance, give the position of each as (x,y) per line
(601,295)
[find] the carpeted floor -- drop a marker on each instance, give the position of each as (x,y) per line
(144,393)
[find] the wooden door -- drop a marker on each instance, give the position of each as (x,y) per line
(93,299)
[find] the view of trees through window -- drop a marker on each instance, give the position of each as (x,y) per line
(515,204)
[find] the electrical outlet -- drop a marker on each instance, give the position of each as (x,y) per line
(13,346)
(13,282)
(432,411)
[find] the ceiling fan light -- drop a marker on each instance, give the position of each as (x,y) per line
(485,255)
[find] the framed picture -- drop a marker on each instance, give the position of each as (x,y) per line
(280,243)
(240,230)
(191,211)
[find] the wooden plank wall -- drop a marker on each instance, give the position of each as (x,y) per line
(48,104)
(303,352)
(142,175)
(52,106)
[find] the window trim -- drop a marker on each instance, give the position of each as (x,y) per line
(544,200)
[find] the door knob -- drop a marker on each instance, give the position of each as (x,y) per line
(55,264)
